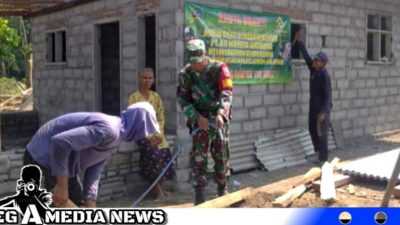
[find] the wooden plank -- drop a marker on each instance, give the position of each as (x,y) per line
(227,200)
(289,196)
(327,189)
(314,173)
(184,205)
(340,180)
(310,176)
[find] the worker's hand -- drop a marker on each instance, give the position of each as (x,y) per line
(321,117)
(90,203)
(219,121)
(155,140)
(202,122)
(60,195)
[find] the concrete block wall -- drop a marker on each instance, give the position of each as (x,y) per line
(10,168)
(119,178)
(67,87)
(70,86)
(366,97)
(17,128)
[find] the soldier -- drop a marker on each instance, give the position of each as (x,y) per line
(205,96)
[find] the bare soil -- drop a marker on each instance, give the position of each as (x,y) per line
(360,193)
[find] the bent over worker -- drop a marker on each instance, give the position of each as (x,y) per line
(83,142)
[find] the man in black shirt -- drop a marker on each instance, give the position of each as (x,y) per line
(320,99)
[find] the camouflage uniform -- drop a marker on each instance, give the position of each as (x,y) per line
(208,93)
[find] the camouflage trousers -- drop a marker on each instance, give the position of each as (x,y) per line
(204,141)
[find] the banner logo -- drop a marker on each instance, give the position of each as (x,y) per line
(31,205)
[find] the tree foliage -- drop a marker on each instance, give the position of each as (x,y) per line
(9,40)
(14,46)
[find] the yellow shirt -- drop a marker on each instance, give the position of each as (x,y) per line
(155,100)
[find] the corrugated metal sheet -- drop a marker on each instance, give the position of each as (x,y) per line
(377,167)
(286,148)
(242,155)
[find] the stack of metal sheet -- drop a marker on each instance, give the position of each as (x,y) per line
(286,148)
(242,155)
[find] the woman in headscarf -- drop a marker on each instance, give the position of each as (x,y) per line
(83,142)
(154,150)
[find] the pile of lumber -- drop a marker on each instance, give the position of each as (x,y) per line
(326,185)
(22,101)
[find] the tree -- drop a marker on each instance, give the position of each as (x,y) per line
(9,41)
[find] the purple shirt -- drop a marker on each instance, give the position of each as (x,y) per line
(84,141)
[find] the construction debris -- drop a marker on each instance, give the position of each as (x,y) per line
(327,188)
(22,101)
(339,180)
(228,199)
(301,186)
(314,173)
(289,196)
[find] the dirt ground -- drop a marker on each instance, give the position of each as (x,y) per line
(360,193)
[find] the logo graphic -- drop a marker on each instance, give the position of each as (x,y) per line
(30,200)
(345,218)
(380,218)
(32,203)
(279,23)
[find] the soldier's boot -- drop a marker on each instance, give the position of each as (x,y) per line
(199,195)
(222,190)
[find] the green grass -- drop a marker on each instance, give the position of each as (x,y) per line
(8,86)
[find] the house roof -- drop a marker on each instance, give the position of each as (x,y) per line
(32,8)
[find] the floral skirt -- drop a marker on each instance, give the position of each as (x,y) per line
(154,160)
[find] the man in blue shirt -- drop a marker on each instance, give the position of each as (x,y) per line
(83,142)
(320,99)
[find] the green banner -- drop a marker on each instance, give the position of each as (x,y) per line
(256,46)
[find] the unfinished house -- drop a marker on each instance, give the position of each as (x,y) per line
(87,55)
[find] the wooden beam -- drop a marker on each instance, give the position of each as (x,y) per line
(15,13)
(30,2)
(59,7)
(340,180)
(289,196)
(184,205)
(314,173)
(301,186)
(227,200)
(310,176)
